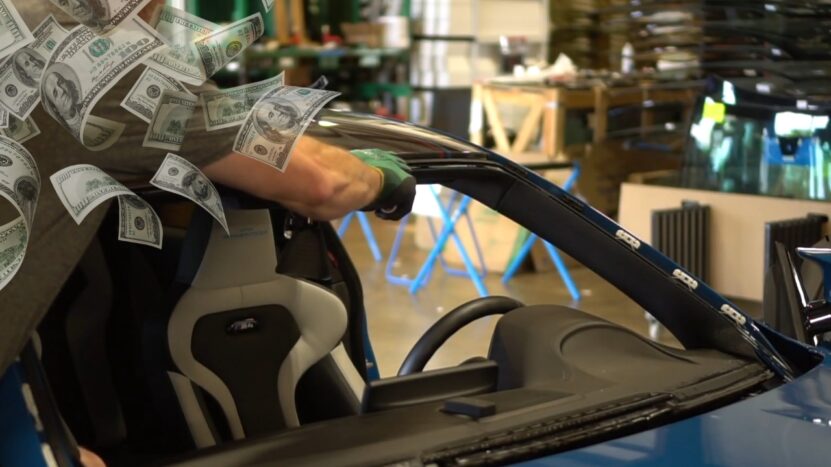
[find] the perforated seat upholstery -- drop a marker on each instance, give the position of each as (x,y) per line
(245,335)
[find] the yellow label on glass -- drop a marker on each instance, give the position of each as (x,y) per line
(714,111)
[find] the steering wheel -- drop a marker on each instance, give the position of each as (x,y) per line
(445,327)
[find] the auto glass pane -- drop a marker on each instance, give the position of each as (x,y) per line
(755,149)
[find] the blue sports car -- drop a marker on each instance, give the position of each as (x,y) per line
(251,349)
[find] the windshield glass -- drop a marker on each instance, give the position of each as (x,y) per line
(739,145)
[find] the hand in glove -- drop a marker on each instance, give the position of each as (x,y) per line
(395,199)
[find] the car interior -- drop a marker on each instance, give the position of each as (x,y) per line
(248,348)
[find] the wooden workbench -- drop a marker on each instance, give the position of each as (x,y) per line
(547,106)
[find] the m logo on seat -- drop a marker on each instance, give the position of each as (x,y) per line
(242,326)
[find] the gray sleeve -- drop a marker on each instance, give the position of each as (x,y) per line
(56,243)
(127,159)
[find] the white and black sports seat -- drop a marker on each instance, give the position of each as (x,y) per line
(244,335)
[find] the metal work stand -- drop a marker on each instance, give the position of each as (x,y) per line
(368,233)
(458,205)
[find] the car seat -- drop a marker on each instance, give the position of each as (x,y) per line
(239,323)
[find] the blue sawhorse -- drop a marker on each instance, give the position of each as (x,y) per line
(447,232)
(366,227)
(513,267)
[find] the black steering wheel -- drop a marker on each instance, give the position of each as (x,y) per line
(445,327)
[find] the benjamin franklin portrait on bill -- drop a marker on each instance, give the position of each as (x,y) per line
(198,185)
(27,65)
(94,14)
(61,94)
(277,119)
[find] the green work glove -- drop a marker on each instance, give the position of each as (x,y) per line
(397,185)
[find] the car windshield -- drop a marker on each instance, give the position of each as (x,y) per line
(755,144)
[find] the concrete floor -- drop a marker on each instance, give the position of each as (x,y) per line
(397,319)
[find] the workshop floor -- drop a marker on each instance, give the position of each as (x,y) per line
(397,319)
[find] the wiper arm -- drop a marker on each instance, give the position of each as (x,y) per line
(615,418)
(555,433)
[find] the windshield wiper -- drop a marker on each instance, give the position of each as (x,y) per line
(554,434)
(611,419)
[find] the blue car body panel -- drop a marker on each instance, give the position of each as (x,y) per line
(787,426)
(20,442)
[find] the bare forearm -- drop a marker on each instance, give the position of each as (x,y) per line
(354,184)
(321,181)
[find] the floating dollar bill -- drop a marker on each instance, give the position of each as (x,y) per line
(14,237)
(101,16)
(179,176)
(14,33)
(276,121)
(142,99)
(320,83)
(20,74)
(83,187)
(170,122)
(179,58)
(138,222)
(100,133)
(20,185)
(221,46)
(4,118)
(83,68)
(19,178)
(229,107)
(21,130)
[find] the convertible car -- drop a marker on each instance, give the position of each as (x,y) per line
(252,349)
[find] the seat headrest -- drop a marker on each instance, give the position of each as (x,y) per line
(246,256)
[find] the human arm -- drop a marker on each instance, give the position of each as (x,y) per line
(321,181)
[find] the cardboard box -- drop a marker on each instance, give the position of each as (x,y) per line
(365,34)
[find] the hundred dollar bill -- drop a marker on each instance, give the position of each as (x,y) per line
(14,33)
(170,121)
(83,187)
(19,178)
(220,47)
(320,83)
(20,185)
(138,222)
(83,67)
(179,176)
(179,58)
(100,133)
(20,74)
(142,99)
(228,107)
(21,130)
(14,237)
(276,121)
(101,16)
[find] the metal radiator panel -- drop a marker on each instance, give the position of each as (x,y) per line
(792,233)
(683,234)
